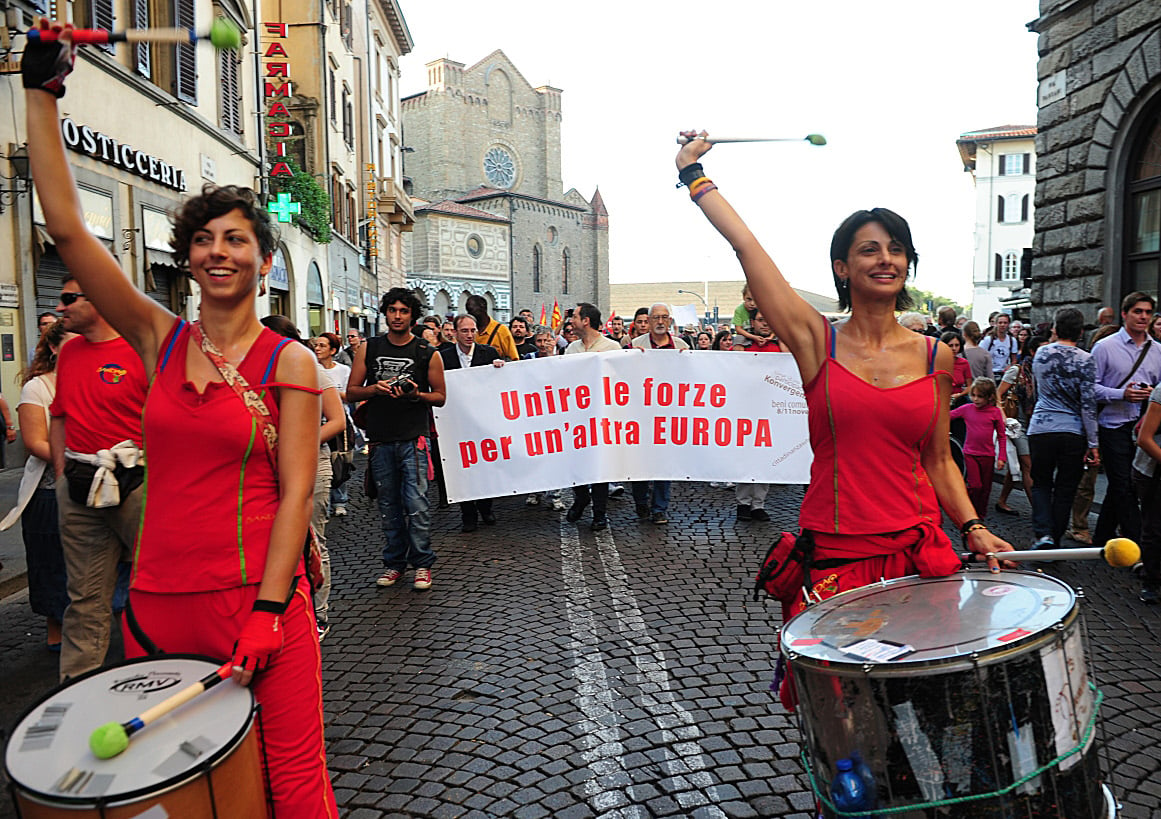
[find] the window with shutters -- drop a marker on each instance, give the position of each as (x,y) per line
(348,119)
(1011,266)
(1010,212)
(345,26)
(142,63)
(102,16)
(185,79)
(1014,164)
(229,80)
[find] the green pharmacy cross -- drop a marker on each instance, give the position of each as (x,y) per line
(283,207)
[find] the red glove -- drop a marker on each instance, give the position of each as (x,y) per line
(261,637)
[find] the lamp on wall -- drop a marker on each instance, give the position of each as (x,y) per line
(21,179)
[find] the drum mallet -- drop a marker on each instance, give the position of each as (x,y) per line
(112,738)
(222,33)
(1120,552)
(813,139)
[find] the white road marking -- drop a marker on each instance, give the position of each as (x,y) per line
(610,791)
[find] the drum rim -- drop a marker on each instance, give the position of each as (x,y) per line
(128,797)
(962,662)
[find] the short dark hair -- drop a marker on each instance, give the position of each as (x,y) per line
(333,340)
(951,335)
(840,248)
(215,201)
(409,299)
(284,327)
(589,311)
(1069,324)
(476,303)
(641,311)
(1137,295)
(946,315)
(518,318)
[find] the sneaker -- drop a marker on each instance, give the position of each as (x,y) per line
(716,484)
(744,512)
(389,578)
(532,500)
(1042,544)
(616,490)
(575,512)
(600,523)
(323,630)
(642,511)
(558,504)
(340,511)
(1150,595)
(728,485)
(759,514)
(422,579)
(659,518)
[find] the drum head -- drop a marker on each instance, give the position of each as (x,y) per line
(48,753)
(960,618)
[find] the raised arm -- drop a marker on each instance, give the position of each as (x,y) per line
(141,320)
(798,326)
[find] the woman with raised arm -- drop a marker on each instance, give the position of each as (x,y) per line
(218,565)
(877,396)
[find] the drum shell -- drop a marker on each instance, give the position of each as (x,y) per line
(957,727)
(230,782)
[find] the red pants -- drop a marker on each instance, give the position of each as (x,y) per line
(979,481)
(289,689)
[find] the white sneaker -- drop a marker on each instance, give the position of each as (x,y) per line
(532,500)
(616,490)
(340,511)
(422,579)
(558,505)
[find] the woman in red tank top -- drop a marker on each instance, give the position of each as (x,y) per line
(877,396)
(218,561)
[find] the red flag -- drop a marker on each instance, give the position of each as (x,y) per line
(557,320)
(609,323)
(543,315)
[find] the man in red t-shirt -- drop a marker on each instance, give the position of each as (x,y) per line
(95,436)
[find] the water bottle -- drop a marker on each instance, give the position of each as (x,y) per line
(864,771)
(848,791)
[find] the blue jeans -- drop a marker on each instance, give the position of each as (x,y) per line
(400,472)
(339,496)
(1057,467)
(658,502)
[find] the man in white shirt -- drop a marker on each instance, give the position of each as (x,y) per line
(586,321)
(1001,346)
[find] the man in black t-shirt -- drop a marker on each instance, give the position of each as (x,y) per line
(401,378)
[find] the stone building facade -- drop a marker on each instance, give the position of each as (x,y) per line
(1098,176)
(483,137)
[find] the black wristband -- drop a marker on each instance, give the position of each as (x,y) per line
(690,173)
(271,606)
(968,524)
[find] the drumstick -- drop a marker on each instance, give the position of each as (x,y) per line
(813,139)
(222,33)
(1120,552)
(112,738)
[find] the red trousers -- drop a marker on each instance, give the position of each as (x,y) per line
(289,689)
(979,481)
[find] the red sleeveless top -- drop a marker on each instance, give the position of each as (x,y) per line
(210,490)
(866,477)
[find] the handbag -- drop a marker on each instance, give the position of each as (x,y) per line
(311,552)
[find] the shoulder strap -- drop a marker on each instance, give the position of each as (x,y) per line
(249,398)
(931,350)
(831,333)
(1141,357)
(495,330)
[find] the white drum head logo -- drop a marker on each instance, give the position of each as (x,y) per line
(146,683)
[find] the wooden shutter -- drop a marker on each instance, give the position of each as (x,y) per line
(1003,164)
(185,74)
(1024,208)
(103,17)
(999,268)
(141,61)
(1027,163)
(231,113)
(999,209)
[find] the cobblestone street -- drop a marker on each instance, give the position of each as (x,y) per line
(556,672)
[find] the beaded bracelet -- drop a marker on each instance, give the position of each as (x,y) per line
(970,526)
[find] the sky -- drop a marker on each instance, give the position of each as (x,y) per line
(891,85)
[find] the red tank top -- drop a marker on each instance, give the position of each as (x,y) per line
(210,491)
(866,477)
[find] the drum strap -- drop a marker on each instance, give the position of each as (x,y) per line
(139,633)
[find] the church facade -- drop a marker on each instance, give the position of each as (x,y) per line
(484,156)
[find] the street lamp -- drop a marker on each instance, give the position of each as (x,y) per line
(20,180)
(700,298)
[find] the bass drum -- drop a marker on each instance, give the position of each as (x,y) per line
(202,760)
(965,696)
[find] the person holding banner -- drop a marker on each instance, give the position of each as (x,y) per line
(586,319)
(878,477)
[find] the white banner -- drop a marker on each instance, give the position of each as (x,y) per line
(623,416)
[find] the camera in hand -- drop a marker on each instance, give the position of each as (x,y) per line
(403,382)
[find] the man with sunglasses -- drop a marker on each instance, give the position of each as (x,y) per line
(347,354)
(95,436)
